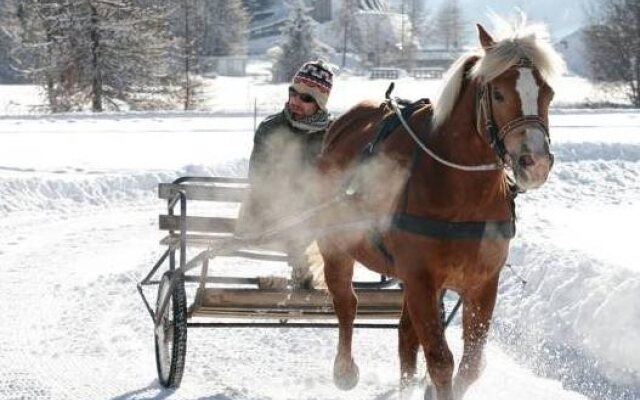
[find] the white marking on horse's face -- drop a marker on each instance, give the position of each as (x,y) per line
(527,87)
(529,152)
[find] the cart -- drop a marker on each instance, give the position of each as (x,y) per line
(194,244)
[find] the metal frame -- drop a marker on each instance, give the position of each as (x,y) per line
(202,259)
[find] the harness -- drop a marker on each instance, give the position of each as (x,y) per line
(419,225)
(497,136)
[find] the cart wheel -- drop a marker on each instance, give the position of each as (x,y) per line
(171,330)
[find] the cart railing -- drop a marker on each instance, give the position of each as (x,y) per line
(215,235)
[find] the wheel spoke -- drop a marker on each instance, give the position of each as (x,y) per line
(171,332)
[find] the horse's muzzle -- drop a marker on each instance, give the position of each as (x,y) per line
(531,170)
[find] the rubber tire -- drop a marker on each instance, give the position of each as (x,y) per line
(170,370)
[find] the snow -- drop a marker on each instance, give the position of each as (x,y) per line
(78,229)
(246,95)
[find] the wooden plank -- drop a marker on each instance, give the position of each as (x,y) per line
(287,314)
(213,241)
(204,192)
(198,240)
(198,224)
(257,299)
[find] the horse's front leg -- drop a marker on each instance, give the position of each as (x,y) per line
(338,272)
(476,318)
(423,302)
(407,347)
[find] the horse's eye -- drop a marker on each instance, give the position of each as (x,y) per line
(497,96)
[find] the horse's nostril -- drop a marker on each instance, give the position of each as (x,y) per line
(526,161)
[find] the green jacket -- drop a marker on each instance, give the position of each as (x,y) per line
(282,173)
(276,130)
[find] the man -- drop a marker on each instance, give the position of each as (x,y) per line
(281,166)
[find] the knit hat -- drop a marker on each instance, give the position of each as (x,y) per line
(315,79)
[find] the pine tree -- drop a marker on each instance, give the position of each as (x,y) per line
(106,53)
(42,51)
(417,17)
(349,30)
(9,25)
(449,25)
(202,29)
(222,28)
(299,46)
(256,6)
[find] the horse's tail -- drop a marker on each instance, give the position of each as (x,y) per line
(316,265)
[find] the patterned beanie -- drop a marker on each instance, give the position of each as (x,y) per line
(315,79)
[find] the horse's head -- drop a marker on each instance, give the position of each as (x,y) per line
(513,102)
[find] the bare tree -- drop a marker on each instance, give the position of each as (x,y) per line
(613,41)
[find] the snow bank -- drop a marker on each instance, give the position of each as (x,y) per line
(576,319)
(66,192)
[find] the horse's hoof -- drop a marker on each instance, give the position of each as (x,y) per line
(406,382)
(430,393)
(408,389)
(345,375)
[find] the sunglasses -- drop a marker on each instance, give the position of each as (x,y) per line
(305,98)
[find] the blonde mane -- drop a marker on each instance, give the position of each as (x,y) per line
(514,42)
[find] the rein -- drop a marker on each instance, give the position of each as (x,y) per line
(473,168)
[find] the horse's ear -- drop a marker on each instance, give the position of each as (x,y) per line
(485,39)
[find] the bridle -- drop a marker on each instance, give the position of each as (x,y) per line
(495,136)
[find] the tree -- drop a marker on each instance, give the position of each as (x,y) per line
(613,42)
(9,24)
(412,24)
(299,46)
(108,53)
(40,49)
(256,6)
(348,26)
(449,25)
(417,18)
(202,29)
(222,28)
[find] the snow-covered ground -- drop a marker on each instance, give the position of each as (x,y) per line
(78,227)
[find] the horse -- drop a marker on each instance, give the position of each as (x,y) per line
(442,185)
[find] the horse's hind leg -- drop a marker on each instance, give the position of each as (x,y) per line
(407,347)
(338,272)
(477,311)
(423,301)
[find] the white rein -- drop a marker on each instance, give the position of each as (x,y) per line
(472,168)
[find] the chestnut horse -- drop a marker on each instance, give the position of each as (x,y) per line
(444,199)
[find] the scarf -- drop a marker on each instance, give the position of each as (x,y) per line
(313,123)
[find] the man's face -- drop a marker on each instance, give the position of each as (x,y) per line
(301,105)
